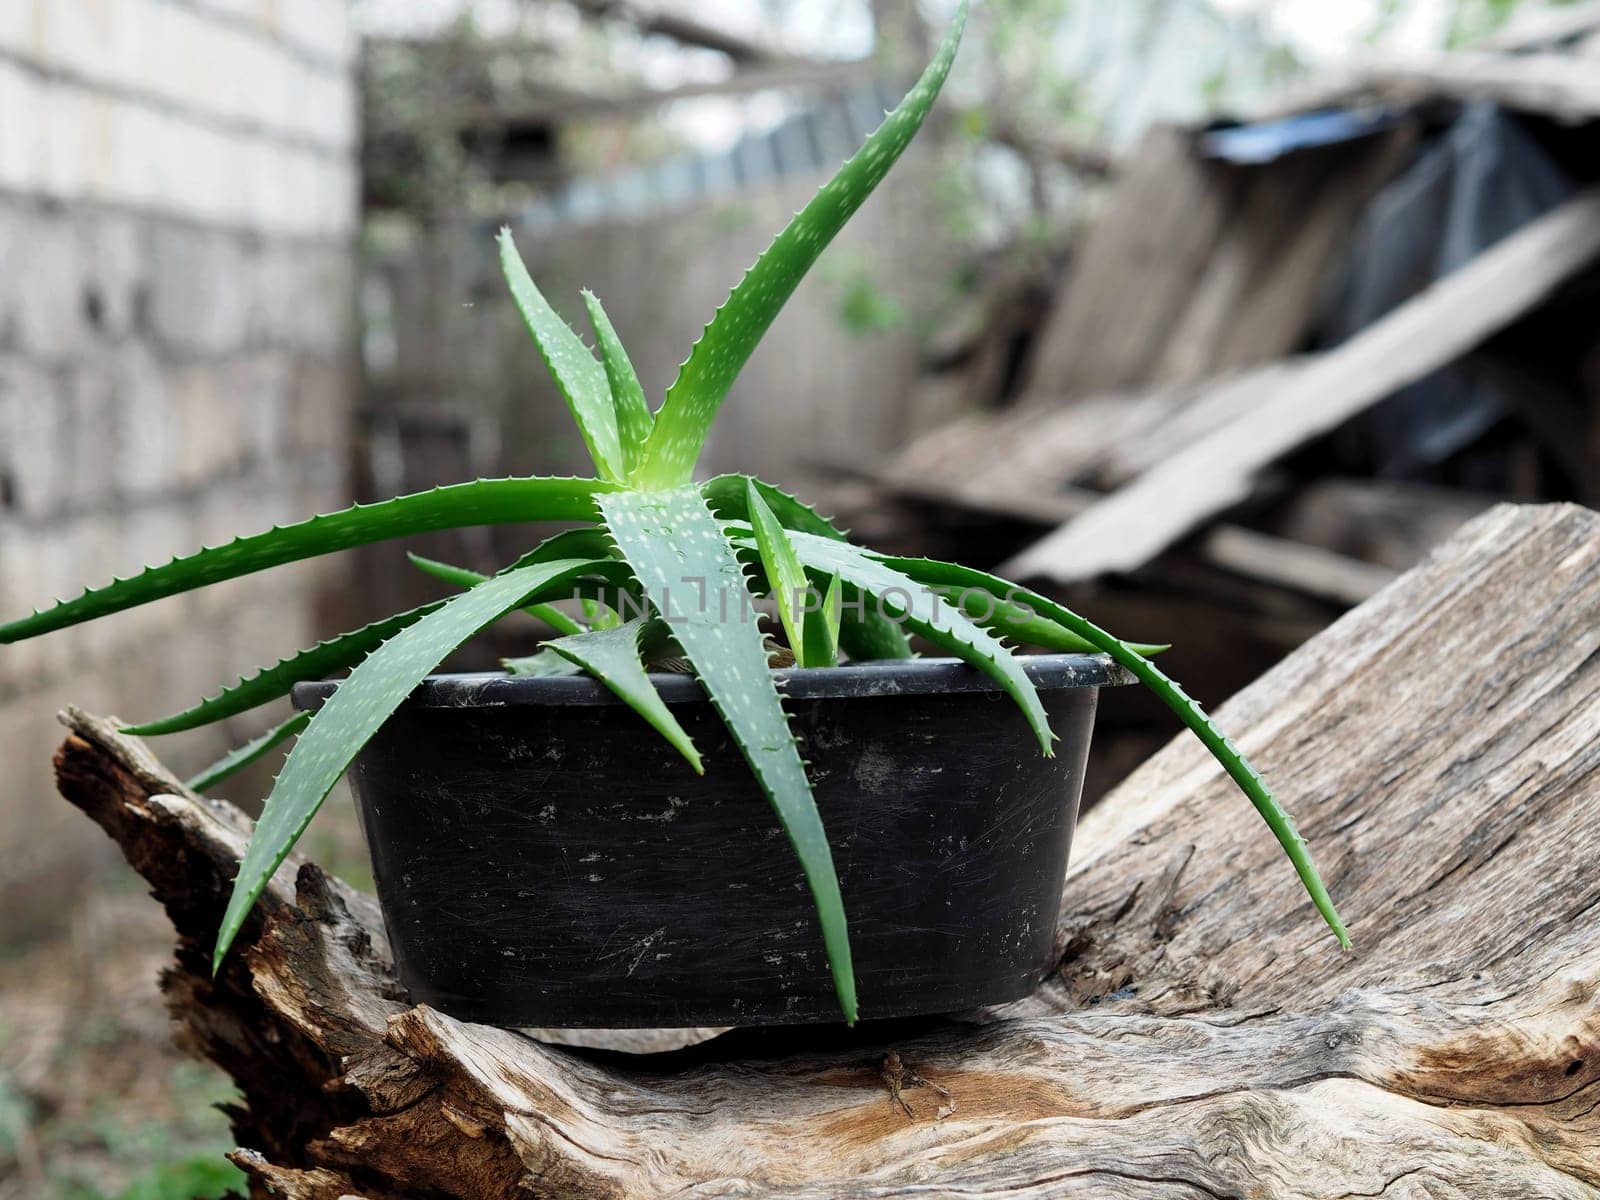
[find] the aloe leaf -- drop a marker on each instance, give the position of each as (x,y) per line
(1187,710)
(930,616)
(356,710)
(864,633)
(599,614)
(464,578)
(612,657)
(581,379)
(589,542)
(482,502)
(692,575)
(541,664)
(1003,613)
(822,626)
(237,760)
(268,684)
(786,581)
(703,381)
(634,419)
(608,588)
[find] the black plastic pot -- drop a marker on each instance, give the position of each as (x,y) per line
(543,857)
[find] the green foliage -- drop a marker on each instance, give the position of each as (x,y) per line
(463,578)
(693,399)
(612,656)
(693,577)
(926,571)
(828,619)
(943,624)
(1004,615)
(581,379)
(865,634)
(658,544)
(634,418)
(362,703)
(237,760)
(482,502)
(542,665)
(804,622)
(270,683)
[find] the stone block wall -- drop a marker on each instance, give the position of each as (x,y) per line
(178,213)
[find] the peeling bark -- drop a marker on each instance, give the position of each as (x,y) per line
(1204,1037)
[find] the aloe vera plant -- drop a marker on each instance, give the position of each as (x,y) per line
(666,569)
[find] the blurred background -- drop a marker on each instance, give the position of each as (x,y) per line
(248,276)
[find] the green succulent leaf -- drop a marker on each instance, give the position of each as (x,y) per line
(1002,614)
(481,502)
(237,760)
(634,419)
(357,709)
(599,614)
(462,577)
(789,586)
(590,542)
(695,396)
(581,379)
(268,684)
(929,615)
(612,657)
(864,633)
(822,626)
(693,577)
(541,664)
(608,588)
(1187,710)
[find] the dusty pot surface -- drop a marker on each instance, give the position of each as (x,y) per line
(543,857)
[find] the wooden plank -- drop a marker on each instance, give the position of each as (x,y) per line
(1310,570)
(1203,1038)
(1133,525)
(1563,86)
(1130,280)
(1197,268)
(1289,222)
(1390,522)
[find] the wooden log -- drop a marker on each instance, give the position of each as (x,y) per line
(1204,1037)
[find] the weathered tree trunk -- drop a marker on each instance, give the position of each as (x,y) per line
(1204,1038)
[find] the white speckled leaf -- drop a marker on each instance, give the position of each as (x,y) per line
(634,418)
(692,576)
(863,634)
(465,577)
(362,703)
(480,502)
(612,657)
(581,379)
(727,342)
(931,616)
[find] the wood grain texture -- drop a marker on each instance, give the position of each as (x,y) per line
(1204,1037)
(1218,469)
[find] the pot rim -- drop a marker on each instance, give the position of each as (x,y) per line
(899,677)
